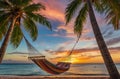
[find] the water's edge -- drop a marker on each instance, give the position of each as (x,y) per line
(30,69)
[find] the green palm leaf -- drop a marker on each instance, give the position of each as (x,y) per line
(20,2)
(4,4)
(3,29)
(39,18)
(112,4)
(81,18)
(4,18)
(16,37)
(98,6)
(112,11)
(31,28)
(115,21)
(44,21)
(26,2)
(34,7)
(3,24)
(71,8)
(2,12)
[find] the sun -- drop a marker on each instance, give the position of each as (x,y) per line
(72,60)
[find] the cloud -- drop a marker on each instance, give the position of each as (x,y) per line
(86,52)
(70,35)
(17,53)
(107,33)
(49,51)
(113,41)
(65,45)
(92,55)
(54,9)
(16,58)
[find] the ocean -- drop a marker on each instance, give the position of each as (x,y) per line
(76,69)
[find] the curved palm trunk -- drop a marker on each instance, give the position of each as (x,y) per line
(6,40)
(113,72)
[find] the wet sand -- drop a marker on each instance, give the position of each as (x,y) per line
(53,77)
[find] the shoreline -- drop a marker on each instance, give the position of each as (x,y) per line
(53,77)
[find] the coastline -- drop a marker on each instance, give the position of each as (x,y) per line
(54,77)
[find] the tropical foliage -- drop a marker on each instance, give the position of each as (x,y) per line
(16,15)
(112,11)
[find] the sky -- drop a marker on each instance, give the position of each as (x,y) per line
(62,38)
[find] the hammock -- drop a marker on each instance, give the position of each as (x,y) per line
(44,64)
(47,66)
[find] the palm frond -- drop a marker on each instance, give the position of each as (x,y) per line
(71,8)
(43,20)
(3,4)
(114,4)
(4,18)
(4,21)
(39,18)
(115,22)
(81,18)
(26,2)
(3,29)
(20,2)
(2,12)
(31,28)
(111,5)
(32,16)
(16,37)
(112,13)
(34,7)
(98,6)
(1,36)
(109,15)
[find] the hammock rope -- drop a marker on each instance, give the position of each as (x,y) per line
(74,46)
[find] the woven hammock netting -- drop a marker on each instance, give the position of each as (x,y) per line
(32,51)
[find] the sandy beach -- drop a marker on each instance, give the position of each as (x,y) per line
(53,77)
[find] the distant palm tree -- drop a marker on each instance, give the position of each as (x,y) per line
(15,14)
(84,7)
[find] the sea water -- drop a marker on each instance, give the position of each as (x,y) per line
(76,69)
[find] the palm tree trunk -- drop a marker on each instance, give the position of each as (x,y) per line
(6,39)
(113,72)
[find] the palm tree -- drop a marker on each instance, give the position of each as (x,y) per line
(86,7)
(15,14)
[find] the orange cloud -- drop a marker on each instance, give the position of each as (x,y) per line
(54,9)
(87,56)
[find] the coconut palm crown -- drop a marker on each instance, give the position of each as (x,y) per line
(16,15)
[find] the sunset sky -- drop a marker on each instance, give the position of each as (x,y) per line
(62,38)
